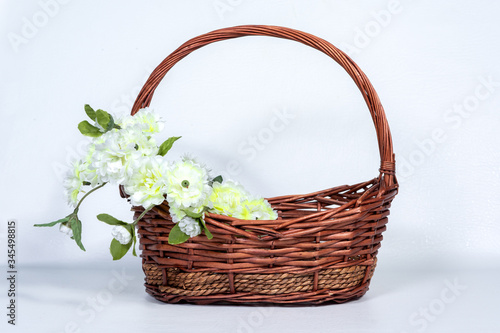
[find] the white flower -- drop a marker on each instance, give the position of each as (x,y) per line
(115,150)
(74,182)
(65,229)
(146,186)
(187,184)
(176,213)
(112,157)
(121,234)
(79,173)
(90,174)
(146,119)
(190,226)
(187,157)
(144,143)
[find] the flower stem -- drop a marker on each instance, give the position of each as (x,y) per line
(86,195)
(142,215)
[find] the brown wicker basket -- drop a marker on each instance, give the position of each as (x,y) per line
(323,246)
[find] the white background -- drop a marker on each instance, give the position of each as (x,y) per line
(430,64)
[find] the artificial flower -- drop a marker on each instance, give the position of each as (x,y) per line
(190,226)
(146,119)
(121,234)
(178,214)
(65,229)
(187,184)
(144,144)
(116,149)
(146,186)
(255,209)
(226,197)
(75,177)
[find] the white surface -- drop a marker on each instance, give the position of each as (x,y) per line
(426,62)
(74,299)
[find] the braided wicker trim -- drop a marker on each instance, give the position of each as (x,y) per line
(335,285)
(205,283)
(154,275)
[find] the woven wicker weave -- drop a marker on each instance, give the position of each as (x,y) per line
(323,246)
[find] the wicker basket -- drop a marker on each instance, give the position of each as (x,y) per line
(323,246)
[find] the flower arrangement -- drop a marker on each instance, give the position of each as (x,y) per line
(124,152)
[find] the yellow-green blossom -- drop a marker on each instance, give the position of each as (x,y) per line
(231,199)
(227,197)
(255,209)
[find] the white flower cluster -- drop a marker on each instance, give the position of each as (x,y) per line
(128,155)
(116,155)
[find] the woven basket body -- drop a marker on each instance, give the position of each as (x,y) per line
(323,246)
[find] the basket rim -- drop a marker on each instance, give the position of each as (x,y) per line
(285,227)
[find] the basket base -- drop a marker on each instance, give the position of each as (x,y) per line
(170,285)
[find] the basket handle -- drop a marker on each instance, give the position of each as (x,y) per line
(387,159)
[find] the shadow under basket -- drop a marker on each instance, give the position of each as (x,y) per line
(323,246)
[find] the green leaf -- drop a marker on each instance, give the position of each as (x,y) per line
(117,126)
(86,183)
(131,228)
(118,250)
(217,179)
(76,226)
(111,124)
(177,236)
(89,130)
(165,146)
(207,232)
(205,229)
(90,112)
(105,120)
(193,215)
(51,224)
(106,218)
(134,239)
